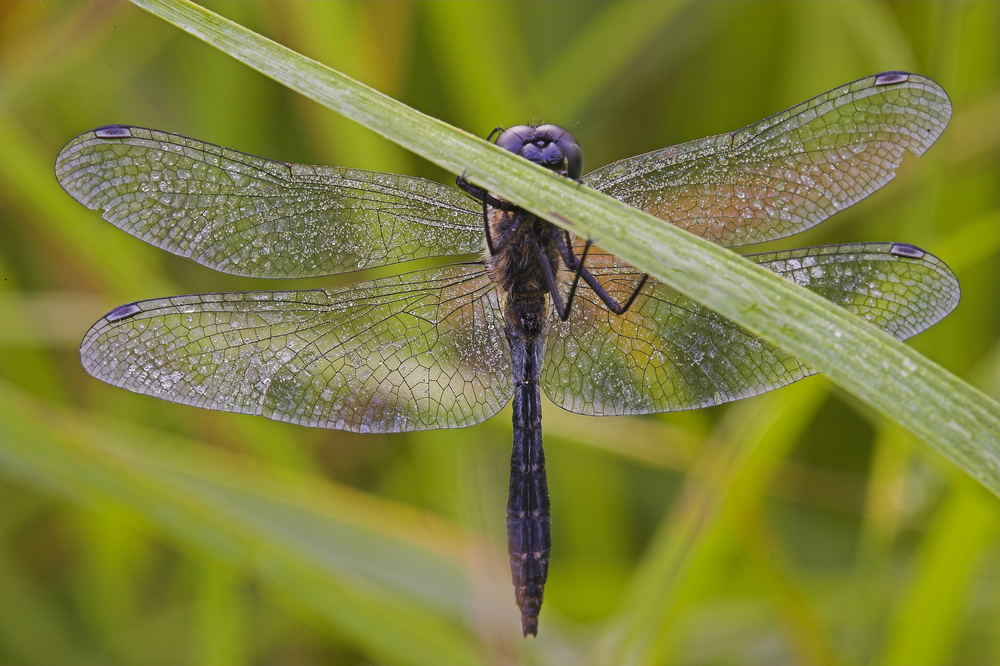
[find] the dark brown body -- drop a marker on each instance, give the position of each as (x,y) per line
(521,242)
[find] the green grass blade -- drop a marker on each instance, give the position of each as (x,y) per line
(726,481)
(600,52)
(927,624)
(959,420)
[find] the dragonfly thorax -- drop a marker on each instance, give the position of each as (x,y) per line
(550,146)
(521,240)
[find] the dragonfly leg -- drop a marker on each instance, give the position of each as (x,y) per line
(576,264)
(480,194)
(550,280)
(486,231)
(632,296)
(563,245)
(485,198)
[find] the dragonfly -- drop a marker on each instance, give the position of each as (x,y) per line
(448,346)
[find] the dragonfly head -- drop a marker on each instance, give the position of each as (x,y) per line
(548,145)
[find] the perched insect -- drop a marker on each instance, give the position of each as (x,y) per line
(449,346)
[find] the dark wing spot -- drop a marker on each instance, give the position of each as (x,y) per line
(906,250)
(889,78)
(123,312)
(112,132)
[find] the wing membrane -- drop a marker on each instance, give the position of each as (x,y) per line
(246,215)
(787,172)
(669,353)
(412,352)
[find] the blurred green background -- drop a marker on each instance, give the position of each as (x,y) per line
(794,528)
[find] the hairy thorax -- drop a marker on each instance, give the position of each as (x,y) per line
(516,268)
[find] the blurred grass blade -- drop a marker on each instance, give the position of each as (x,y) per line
(926,625)
(589,51)
(727,480)
(33,630)
(959,420)
(387,578)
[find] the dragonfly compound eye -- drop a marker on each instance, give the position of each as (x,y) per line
(514,138)
(550,146)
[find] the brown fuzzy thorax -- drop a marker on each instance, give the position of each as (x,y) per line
(516,269)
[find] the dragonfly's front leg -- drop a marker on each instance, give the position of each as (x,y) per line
(480,194)
(576,264)
(553,287)
(486,198)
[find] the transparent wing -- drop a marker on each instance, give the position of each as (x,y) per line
(669,353)
(246,215)
(788,172)
(412,352)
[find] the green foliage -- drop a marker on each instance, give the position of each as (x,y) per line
(797,527)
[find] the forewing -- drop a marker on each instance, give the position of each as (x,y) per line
(246,215)
(412,352)
(669,353)
(787,172)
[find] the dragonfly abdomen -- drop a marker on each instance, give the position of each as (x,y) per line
(528,535)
